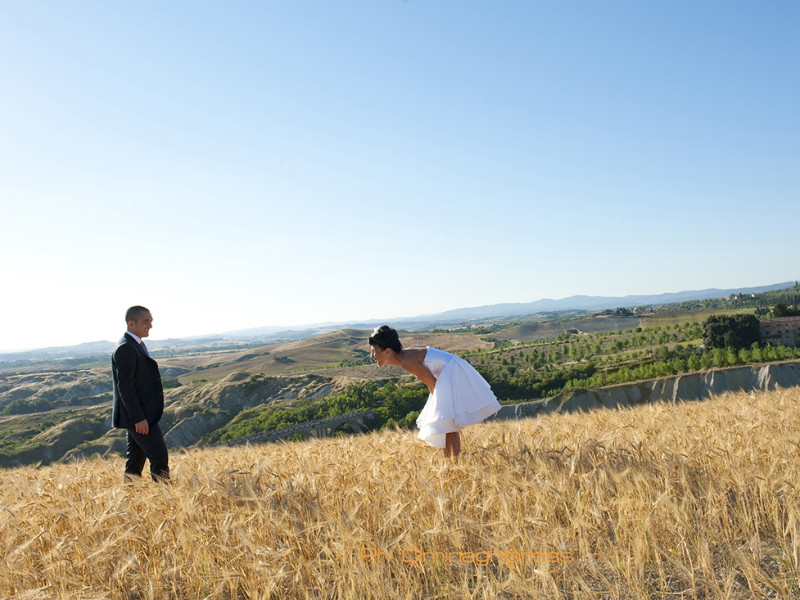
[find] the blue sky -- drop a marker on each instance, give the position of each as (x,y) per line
(234,165)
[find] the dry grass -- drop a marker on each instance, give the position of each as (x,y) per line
(692,501)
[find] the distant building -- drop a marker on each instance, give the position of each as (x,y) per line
(784,330)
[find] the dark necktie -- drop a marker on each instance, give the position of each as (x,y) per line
(144,348)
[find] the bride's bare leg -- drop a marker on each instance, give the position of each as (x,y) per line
(452,446)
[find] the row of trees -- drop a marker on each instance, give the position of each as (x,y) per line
(577,346)
(533,385)
(698,360)
(535,360)
(728,340)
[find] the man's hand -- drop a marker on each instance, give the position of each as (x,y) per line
(142,427)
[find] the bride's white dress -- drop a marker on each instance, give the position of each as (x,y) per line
(461,397)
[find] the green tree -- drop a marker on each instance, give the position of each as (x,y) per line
(745,356)
(782,310)
(736,331)
(731,357)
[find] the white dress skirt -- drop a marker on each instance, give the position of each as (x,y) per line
(461,397)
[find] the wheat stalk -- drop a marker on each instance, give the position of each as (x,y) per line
(696,500)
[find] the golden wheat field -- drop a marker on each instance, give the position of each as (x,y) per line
(698,500)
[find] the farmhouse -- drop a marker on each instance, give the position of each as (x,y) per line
(784,330)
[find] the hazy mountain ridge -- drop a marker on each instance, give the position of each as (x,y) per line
(274,334)
(582,302)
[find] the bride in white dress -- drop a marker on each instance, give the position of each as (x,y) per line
(459,395)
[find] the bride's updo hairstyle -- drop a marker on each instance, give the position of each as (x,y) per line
(385,337)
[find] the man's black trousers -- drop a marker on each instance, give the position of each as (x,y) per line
(147,447)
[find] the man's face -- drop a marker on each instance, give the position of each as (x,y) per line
(141,326)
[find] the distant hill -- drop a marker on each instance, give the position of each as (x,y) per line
(104,348)
(598,302)
(87,348)
(460,315)
(272,334)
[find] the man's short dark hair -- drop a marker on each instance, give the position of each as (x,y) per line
(134,312)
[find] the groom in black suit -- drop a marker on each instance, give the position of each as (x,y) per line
(139,397)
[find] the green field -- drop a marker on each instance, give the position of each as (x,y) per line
(666,319)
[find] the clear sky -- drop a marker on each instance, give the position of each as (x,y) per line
(242,164)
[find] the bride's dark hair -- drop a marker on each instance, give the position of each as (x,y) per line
(385,337)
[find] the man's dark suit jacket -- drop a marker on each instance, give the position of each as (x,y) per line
(138,394)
